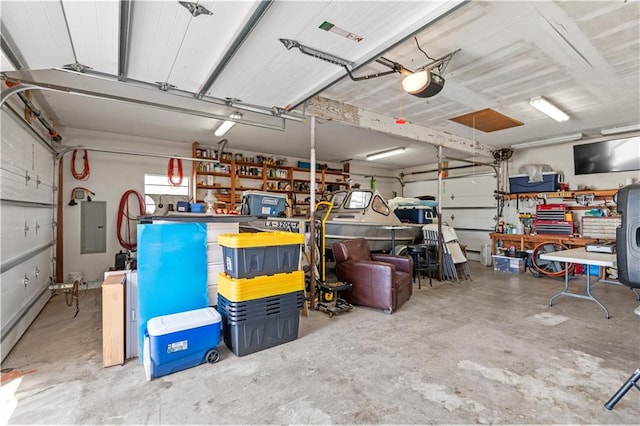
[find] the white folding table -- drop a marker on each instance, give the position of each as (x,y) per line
(580,256)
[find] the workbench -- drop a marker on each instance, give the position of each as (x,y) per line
(528,241)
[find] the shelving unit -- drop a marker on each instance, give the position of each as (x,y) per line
(599,195)
(230,178)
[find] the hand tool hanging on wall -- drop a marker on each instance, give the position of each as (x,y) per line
(86,169)
(170,172)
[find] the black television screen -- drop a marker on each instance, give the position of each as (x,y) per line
(616,155)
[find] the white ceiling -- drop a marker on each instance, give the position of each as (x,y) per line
(582,55)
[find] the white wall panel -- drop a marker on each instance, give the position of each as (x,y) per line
(40,31)
(23,155)
(24,229)
(18,299)
(470,218)
(417,189)
(468,205)
(471,191)
(26,212)
(94,30)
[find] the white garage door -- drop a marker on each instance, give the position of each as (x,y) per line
(27,233)
(468,204)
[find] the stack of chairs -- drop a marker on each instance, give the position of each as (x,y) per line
(454,261)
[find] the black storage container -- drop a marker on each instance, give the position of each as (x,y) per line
(416,214)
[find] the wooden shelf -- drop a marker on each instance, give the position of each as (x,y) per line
(250,177)
(214,174)
(598,193)
(230,193)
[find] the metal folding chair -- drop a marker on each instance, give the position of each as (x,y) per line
(453,259)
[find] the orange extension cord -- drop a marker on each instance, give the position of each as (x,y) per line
(85,171)
(129,242)
(170,172)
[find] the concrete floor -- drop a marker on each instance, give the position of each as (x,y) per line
(486,351)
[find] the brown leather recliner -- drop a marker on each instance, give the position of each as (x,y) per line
(382,281)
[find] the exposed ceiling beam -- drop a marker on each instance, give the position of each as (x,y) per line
(356,116)
(123,39)
(235,46)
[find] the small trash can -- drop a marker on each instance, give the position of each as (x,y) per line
(485,254)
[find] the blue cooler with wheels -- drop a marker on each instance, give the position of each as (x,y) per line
(179,341)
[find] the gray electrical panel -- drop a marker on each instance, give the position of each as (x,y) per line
(93,231)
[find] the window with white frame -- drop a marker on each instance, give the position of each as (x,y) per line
(160,185)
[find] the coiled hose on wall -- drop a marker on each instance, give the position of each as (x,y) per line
(129,241)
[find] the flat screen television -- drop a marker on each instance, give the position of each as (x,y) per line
(616,155)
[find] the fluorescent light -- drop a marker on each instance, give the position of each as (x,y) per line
(549,141)
(622,129)
(546,107)
(224,127)
(383,154)
(227,124)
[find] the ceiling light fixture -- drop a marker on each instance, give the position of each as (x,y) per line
(423,84)
(546,107)
(227,124)
(621,129)
(549,141)
(384,154)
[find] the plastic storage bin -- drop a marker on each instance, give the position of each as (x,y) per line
(179,341)
(250,327)
(263,253)
(259,308)
(415,214)
(196,208)
(520,183)
(244,289)
(264,204)
(514,265)
(183,206)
